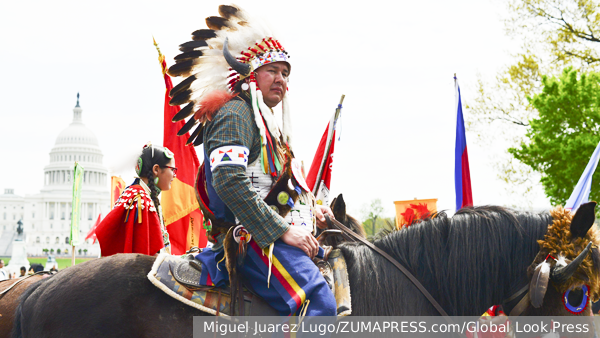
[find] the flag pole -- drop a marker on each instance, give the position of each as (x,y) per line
(76,208)
(338,110)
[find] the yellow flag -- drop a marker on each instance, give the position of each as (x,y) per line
(117,185)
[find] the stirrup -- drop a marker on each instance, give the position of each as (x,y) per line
(327,272)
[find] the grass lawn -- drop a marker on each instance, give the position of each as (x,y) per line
(62,262)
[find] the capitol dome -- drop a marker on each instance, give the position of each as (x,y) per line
(76,143)
(77,132)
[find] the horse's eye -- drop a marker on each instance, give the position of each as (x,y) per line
(576,299)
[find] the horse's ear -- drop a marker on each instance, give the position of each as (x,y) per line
(332,205)
(583,220)
(338,206)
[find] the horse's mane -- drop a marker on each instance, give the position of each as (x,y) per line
(459,260)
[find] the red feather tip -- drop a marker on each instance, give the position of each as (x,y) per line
(211,103)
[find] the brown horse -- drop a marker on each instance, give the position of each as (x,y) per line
(338,206)
(477,258)
(10,290)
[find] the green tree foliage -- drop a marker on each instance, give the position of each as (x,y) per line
(381,223)
(560,141)
(553,34)
(372,212)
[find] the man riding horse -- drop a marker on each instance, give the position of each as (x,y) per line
(261,210)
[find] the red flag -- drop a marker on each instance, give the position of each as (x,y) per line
(319,174)
(180,201)
(92,233)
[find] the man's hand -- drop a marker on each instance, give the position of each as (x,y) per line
(302,239)
(321,211)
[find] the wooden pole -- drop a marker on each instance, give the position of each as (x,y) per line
(73,255)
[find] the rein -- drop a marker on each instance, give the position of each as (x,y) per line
(332,223)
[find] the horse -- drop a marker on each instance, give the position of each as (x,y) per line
(338,207)
(10,290)
(479,257)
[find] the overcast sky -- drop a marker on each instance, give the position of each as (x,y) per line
(394,61)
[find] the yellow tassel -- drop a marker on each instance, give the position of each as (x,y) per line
(139,208)
(270,263)
(222,259)
(303,310)
(228,231)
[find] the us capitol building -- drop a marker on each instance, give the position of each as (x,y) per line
(46,217)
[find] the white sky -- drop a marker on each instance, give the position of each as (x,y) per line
(394,60)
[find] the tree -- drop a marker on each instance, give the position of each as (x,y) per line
(85,251)
(80,252)
(58,251)
(372,213)
(51,251)
(569,29)
(555,34)
(564,136)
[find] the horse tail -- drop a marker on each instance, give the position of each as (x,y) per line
(16,330)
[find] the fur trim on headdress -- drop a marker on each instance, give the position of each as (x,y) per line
(211,103)
(558,242)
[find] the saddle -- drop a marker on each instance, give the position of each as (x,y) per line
(180,280)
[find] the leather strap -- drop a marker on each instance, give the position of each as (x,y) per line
(516,294)
(410,276)
(521,306)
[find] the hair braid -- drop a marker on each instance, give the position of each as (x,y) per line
(153,189)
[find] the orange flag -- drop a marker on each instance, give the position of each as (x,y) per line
(412,210)
(181,210)
(117,185)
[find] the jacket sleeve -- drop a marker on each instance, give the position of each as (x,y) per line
(234,125)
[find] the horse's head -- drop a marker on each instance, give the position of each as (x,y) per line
(338,206)
(564,277)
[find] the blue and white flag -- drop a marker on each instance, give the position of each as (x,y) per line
(581,193)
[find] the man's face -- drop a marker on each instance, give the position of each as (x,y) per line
(272,81)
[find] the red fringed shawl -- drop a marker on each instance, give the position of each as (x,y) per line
(132,226)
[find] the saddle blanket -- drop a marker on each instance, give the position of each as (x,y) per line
(174,276)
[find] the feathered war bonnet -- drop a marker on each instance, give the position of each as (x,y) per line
(215,62)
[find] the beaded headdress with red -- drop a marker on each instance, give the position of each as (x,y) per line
(215,62)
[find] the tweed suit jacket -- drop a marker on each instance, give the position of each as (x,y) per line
(234,124)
